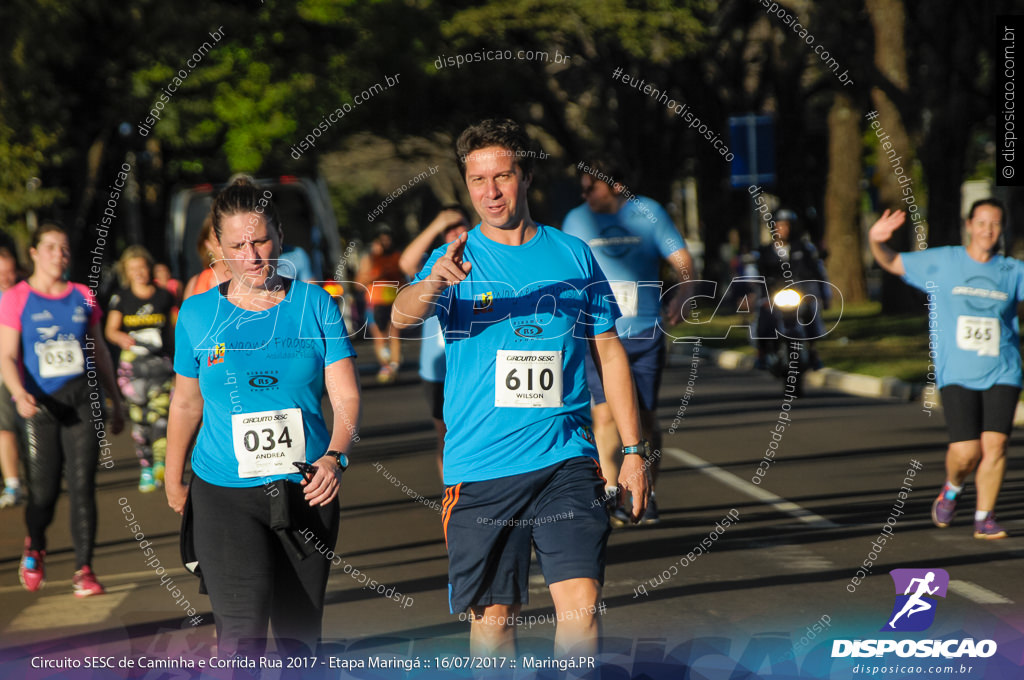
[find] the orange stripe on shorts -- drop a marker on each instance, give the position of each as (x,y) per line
(451,506)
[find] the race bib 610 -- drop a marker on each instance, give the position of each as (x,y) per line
(528,379)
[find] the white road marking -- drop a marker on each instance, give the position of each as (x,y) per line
(752,490)
(52,611)
(794,557)
(977,594)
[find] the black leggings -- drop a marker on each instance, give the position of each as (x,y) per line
(61,436)
(253,574)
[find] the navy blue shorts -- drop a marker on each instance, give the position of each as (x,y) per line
(646,360)
(490,525)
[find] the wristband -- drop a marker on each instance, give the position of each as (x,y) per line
(642,449)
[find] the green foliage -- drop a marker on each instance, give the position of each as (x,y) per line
(659,32)
(20,163)
(72,72)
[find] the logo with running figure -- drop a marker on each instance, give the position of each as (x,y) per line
(914,609)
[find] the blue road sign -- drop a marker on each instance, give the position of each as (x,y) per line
(752,140)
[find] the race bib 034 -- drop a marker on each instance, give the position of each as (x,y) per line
(268,442)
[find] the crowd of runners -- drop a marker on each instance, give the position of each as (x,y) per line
(542,352)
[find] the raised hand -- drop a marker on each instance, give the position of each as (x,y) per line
(888,223)
(451,268)
(444,221)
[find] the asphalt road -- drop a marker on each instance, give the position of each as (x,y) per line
(765,598)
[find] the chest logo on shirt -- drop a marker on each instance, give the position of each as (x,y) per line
(136,320)
(528,330)
(79,315)
(483,303)
(263,381)
(48,332)
(615,241)
(42,316)
(216,356)
(981,294)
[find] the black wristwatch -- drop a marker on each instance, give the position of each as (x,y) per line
(340,457)
(643,449)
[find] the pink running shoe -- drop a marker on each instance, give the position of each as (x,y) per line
(85,583)
(31,572)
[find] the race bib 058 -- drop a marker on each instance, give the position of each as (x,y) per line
(58,358)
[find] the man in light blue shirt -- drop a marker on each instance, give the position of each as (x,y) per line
(521,304)
(630,236)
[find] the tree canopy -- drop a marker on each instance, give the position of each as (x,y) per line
(79,77)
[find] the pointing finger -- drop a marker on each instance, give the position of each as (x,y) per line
(456,247)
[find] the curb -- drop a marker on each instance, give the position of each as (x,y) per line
(849,383)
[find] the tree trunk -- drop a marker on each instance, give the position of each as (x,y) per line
(888,20)
(956,99)
(842,220)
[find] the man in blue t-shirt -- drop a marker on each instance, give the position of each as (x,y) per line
(974,347)
(521,305)
(630,235)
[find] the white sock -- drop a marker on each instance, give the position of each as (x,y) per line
(981,515)
(12,482)
(950,486)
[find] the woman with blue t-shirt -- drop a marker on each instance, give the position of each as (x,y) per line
(252,357)
(973,294)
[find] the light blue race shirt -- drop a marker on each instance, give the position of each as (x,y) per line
(261,375)
(629,245)
(516,333)
(974,329)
